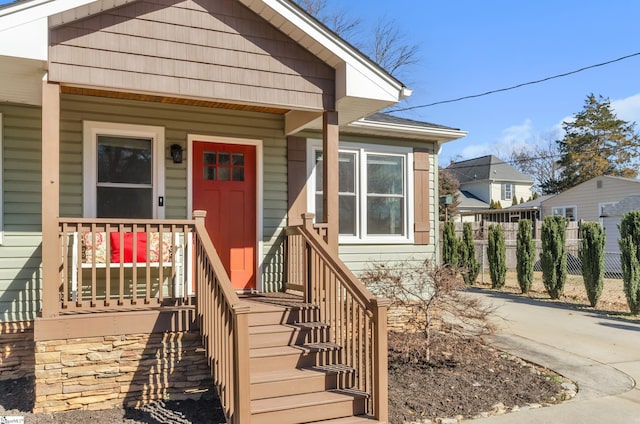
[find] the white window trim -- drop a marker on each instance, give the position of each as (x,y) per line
(564,211)
(512,190)
(259,189)
(90,131)
(1,183)
(361,178)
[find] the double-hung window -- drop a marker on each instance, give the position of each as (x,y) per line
(373,186)
(568,212)
(507,191)
(123,171)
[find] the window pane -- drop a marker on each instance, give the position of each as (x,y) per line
(209,173)
(347,215)
(224,174)
(385,215)
(125,202)
(210,158)
(319,171)
(384,174)
(224,158)
(237,174)
(124,160)
(319,208)
(347,173)
(238,159)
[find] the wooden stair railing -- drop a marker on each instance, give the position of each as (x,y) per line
(356,318)
(224,325)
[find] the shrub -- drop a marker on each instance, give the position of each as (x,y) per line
(434,299)
(591,255)
(525,255)
(449,245)
(469,265)
(554,255)
(496,253)
(630,258)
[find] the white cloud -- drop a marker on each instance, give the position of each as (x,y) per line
(628,108)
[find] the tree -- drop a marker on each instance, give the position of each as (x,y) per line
(448,185)
(525,255)
(450,243)
(497,255)
(630,258)
(540,162)
(595,143)
(591,255)
(385,44)
(553,258)
(469,265)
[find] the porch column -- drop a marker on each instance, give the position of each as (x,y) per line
(50,196)
(330,135)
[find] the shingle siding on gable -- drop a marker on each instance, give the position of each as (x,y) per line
(213,49)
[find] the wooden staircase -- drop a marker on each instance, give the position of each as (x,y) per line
(296,376)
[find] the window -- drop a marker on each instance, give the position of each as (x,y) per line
(373,183)
(569,212)
(507,191)
(123,170)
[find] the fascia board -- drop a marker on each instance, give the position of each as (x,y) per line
(431,133)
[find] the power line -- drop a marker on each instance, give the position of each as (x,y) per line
(486,93)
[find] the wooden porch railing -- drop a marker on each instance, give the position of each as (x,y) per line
(357,319)
(155,265)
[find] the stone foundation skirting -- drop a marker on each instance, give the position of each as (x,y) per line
(127,370)
(16,350)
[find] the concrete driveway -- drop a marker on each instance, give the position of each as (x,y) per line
(600,354)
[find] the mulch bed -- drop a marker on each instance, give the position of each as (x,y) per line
(462,377)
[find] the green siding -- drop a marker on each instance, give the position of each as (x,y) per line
(20,255)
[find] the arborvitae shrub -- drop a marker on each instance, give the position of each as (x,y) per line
(514,202)
(525,255)
(496,252)
(592,258)
(554,255)
(630,258)
(449,245)
(469,265)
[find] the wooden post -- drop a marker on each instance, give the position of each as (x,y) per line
(381,376)
(242,385)
(51,253)
(330,134)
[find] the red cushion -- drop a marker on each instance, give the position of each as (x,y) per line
(141,247)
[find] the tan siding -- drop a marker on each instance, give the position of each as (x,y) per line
(20,257)
(587,196)
(219,50)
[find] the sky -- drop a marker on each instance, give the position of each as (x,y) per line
(467,47)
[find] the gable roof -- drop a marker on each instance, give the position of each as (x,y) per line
(628,204)
(383,124)
(484,168)
(361,86)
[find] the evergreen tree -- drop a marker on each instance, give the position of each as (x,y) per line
(449,244)
(514,201)
(554,255)
(592,258)
(630,258)
(525,255)
(595,143)
(496,253)
(469,264)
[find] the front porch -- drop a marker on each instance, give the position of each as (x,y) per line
(123,329)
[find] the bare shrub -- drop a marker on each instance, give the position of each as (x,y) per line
(434,299)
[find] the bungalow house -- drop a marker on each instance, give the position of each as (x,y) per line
(488,179)
(160,160)
(585,202)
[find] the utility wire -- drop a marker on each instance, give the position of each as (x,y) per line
(486,93)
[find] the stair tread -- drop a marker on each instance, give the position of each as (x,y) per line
(301,400)
(272,328)
(263,352)
(289,374)
(358,419)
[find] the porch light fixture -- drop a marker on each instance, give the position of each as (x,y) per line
(176,153)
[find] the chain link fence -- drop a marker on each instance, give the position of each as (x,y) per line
(613,269)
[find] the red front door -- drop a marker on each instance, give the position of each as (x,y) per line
(224,185)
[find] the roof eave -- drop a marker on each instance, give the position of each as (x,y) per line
(441,135)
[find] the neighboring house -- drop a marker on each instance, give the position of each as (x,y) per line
(527,210)
(611,216)
(488,179)
(157,160)
(586,201)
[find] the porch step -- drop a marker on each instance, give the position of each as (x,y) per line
(358,419)
(285,334)
(269,314)
(290,357)
(308,407)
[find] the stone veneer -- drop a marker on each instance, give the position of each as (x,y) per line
(16,350)
(130,370)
